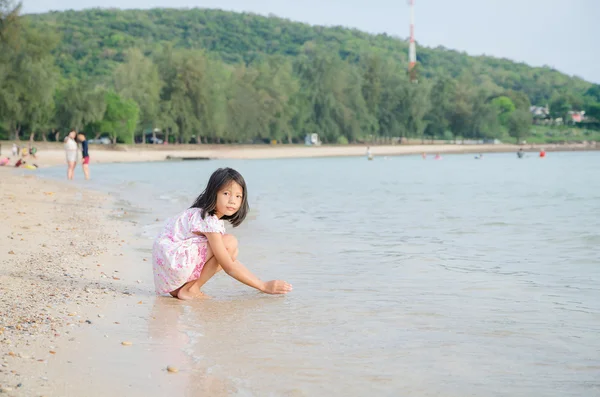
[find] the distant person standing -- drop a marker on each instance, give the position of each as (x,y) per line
(71,153)
(85,155)
(15,150)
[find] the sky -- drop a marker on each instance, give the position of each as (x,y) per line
(562,34)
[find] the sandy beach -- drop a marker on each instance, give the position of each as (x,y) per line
(62,265)
(79,316)
(51,153)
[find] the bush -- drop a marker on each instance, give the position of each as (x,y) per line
(448,136)
(342,140)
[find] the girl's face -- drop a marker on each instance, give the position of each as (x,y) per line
(229,199)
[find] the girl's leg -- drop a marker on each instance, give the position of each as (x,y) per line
(86,171)
(212,267)
(70,170)
(191,289)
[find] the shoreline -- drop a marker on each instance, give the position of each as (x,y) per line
(73,314)
(51,153)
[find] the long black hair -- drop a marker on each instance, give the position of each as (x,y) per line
(207,200)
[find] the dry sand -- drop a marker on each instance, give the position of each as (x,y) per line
(52,153)
(49,278)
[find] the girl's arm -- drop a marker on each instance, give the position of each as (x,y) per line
(238,271)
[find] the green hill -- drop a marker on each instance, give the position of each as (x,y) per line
(214,76)
(93,43)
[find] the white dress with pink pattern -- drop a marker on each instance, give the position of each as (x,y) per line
(179,254)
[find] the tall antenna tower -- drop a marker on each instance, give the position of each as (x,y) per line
(412,49)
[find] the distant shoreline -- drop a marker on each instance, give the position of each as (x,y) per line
(52,153)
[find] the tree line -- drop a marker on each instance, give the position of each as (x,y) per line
(197,95)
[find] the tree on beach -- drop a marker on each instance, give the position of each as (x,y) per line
(80,104)
(279,88)
(486,122)
(519,124)
(28,78)
(441,98)
(246,118)
(121,117)
(39,105)
(331,89)
(504,107)
(210,76)
(462,112)
(592,104)
(138,79)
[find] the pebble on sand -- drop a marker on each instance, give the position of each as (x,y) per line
(172,369)
(126,343)
(11,252)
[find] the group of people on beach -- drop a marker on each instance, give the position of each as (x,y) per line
(72,142)
(21,154)
(71,146)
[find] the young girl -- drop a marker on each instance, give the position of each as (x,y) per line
(71,152)
(193,246)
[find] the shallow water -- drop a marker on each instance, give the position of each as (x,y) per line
(453,278)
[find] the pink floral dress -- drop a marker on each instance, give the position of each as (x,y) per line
(178,254)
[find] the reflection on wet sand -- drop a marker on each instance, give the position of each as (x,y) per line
(187,328)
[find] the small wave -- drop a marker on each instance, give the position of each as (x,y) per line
(497,224)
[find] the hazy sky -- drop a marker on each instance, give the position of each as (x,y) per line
(563,34)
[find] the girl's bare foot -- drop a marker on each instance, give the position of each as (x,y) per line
(186,294)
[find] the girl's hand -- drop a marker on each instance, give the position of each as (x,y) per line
(276,287)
